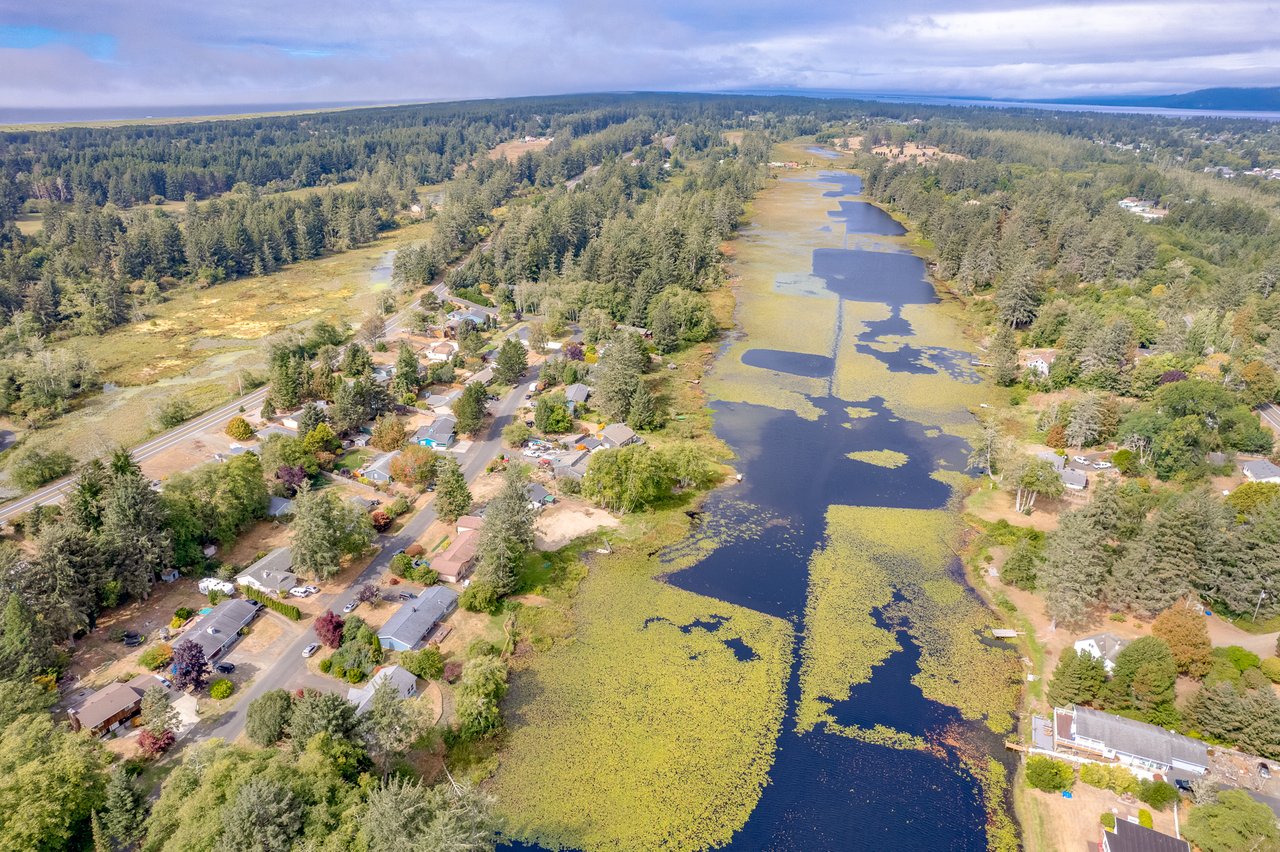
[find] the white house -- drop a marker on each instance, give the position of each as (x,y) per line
(1260,470)
(210,584)
(403,680)
(1102,646)
(270,574)
(442,351)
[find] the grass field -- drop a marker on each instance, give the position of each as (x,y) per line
(196,343)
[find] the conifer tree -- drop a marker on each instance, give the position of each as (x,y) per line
(642,413)
(1077,679)
(453,497)
(507,533)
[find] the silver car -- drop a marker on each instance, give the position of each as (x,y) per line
(310,650)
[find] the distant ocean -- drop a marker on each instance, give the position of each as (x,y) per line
(936,100)
(50,115)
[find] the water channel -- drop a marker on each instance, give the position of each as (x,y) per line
(808,436)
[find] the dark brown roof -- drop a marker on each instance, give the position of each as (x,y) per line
(1131,837)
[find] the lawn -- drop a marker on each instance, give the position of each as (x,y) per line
(353,460)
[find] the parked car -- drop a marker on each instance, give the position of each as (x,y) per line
(406,596)
(1101,465)
(1079,459)
(225,668)
(133,640)
(311,590)
(350,606)
(298,592)
(168,684)
(1182,784)
(310,650)
(1264,770)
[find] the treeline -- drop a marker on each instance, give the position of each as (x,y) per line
(1132,550)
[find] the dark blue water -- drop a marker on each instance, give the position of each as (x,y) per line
(861,217)
(795,363)
(827,791)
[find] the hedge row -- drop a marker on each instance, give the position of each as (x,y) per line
(288,610)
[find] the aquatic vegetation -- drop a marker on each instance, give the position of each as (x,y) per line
(643,733)
(881,458)
(857,412)
(879,735)
(869,554)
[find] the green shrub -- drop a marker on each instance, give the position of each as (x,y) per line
(427,663)
(401,564)
(337,671)
(216,596)
(1109,821)
(326,664)
(1255,679)
(183,612)
(157,656)
(176,622)
(1144,818)
(397,507)
(1271,668)
(1157,794)
(479,597)
(354,675)
(221,689)
(1045,773)
(288,610)
(1238,657)
(426,576)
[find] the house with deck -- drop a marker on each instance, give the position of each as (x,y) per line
(1146,749)
(455,563)
(409,625)
(219,629)
(617,435)
(111,706)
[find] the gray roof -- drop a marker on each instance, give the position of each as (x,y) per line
(1139,739)
(1052,458)
(1108,643)
(272,571)
(1073,478)
(1131,837)
(402,679)
(617,434)
(441,431)
(382,464)
(277,506)
(1260,469)
(216,631)
(577,392)
(483,377)
(414,618)
(537,494)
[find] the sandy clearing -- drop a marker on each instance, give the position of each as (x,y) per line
(561,523)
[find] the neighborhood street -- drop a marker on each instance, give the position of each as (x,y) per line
(53,492)
(290,660)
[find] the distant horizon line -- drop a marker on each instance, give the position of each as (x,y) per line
(18,116)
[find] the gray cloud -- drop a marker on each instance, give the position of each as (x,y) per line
(248,51)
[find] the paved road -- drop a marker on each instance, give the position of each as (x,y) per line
(54,491)
(286,666)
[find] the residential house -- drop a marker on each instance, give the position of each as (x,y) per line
(1148,749)
(219,629)
(270,574)
(617,435)
(170,575)
(107,708)
(442,351)
(1039,361)
(484,377)
(572,464)
(576,394)
(539,497)
(457,559)
(408,625)
(1074,480)
(469,522)
(1260,470)
(379,470)
(442,403)
(275,429)
(278,507)
(1059,462)
(382,373)
(1132,837)
(590,443)
(520,334)
(404,681)
(438,436)
(1102,646)
(455,319)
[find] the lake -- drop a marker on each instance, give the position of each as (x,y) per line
(845,400)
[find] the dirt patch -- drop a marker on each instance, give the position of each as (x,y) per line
(1056,824)
(913,152)
(466,627)
(265,632)
(262,537)
(566,520)
(512,149)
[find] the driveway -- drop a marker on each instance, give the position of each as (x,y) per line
(281,673)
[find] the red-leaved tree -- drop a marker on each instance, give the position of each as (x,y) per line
(154,745)
(329,628)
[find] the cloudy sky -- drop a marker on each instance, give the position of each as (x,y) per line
(68,53)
